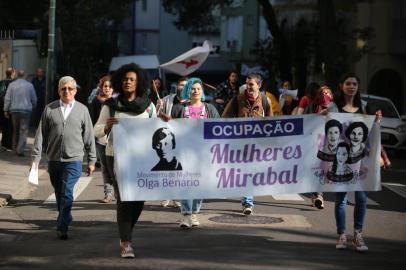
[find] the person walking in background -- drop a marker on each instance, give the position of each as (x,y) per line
(276,109)
(170,100)
(19,102)
(226,90)
(250,103)
(39,83)
(310,95)
(5,123)
(132,84)
(157,91)
(165,109)
(348,100)
(287,102)
(95,91)
(315,100)
(106,92)
(194,108)
(66,134)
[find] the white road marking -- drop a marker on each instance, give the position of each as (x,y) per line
(351,199)
(288,197)
(82,183)
(397,188)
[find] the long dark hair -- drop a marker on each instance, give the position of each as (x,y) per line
(142,79)
(339,98)
(335,162)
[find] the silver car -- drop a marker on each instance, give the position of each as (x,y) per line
(393,129)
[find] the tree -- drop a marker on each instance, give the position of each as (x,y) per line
(280,45)
(321,43)
(329,38)
(193,15)
(82,26)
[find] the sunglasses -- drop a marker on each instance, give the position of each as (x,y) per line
(69,89)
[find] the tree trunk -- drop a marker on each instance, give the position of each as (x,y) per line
(279,39)
(329,38)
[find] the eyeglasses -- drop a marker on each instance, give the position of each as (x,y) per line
(70,89)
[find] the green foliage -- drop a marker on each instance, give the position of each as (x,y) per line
(83,28)
(193,15)
(22,14)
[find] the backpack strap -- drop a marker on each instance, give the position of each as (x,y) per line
(265,104)
(234,103)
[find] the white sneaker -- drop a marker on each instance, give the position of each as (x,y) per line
(195,222)
(342,242)
(126,250)
(247,210)
(186,221)
(165,203)
(359,242)
(176,204)
(319,202)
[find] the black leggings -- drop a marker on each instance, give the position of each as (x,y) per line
(127,212)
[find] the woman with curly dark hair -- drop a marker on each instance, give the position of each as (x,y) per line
(132,84)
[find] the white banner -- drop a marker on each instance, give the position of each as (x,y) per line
(220,158)
(189,61)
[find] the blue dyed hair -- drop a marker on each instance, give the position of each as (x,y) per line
(187,90)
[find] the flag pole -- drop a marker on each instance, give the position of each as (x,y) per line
(210,86)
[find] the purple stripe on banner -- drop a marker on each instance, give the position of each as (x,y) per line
(253,129)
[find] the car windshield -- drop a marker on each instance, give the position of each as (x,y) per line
(387,108)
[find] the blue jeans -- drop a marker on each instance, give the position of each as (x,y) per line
(248,200)
(189,207)
(64,176)
(359,210)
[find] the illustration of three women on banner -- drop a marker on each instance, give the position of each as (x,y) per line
(343,150)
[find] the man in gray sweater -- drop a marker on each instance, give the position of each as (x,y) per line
(65,132)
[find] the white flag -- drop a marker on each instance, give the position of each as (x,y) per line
(190,61)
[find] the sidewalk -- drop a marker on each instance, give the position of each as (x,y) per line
(14,171)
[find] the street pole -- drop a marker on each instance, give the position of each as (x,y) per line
(50,58)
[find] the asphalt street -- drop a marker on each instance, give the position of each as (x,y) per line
(285,232)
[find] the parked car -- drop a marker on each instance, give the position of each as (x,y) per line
(393,129)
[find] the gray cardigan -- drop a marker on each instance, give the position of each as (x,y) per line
(65,140)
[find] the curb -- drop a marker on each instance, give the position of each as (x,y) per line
(20,193)
(4,199)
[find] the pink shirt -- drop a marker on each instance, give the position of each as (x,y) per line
(195,112)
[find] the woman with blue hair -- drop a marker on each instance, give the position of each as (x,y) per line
(193,108)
